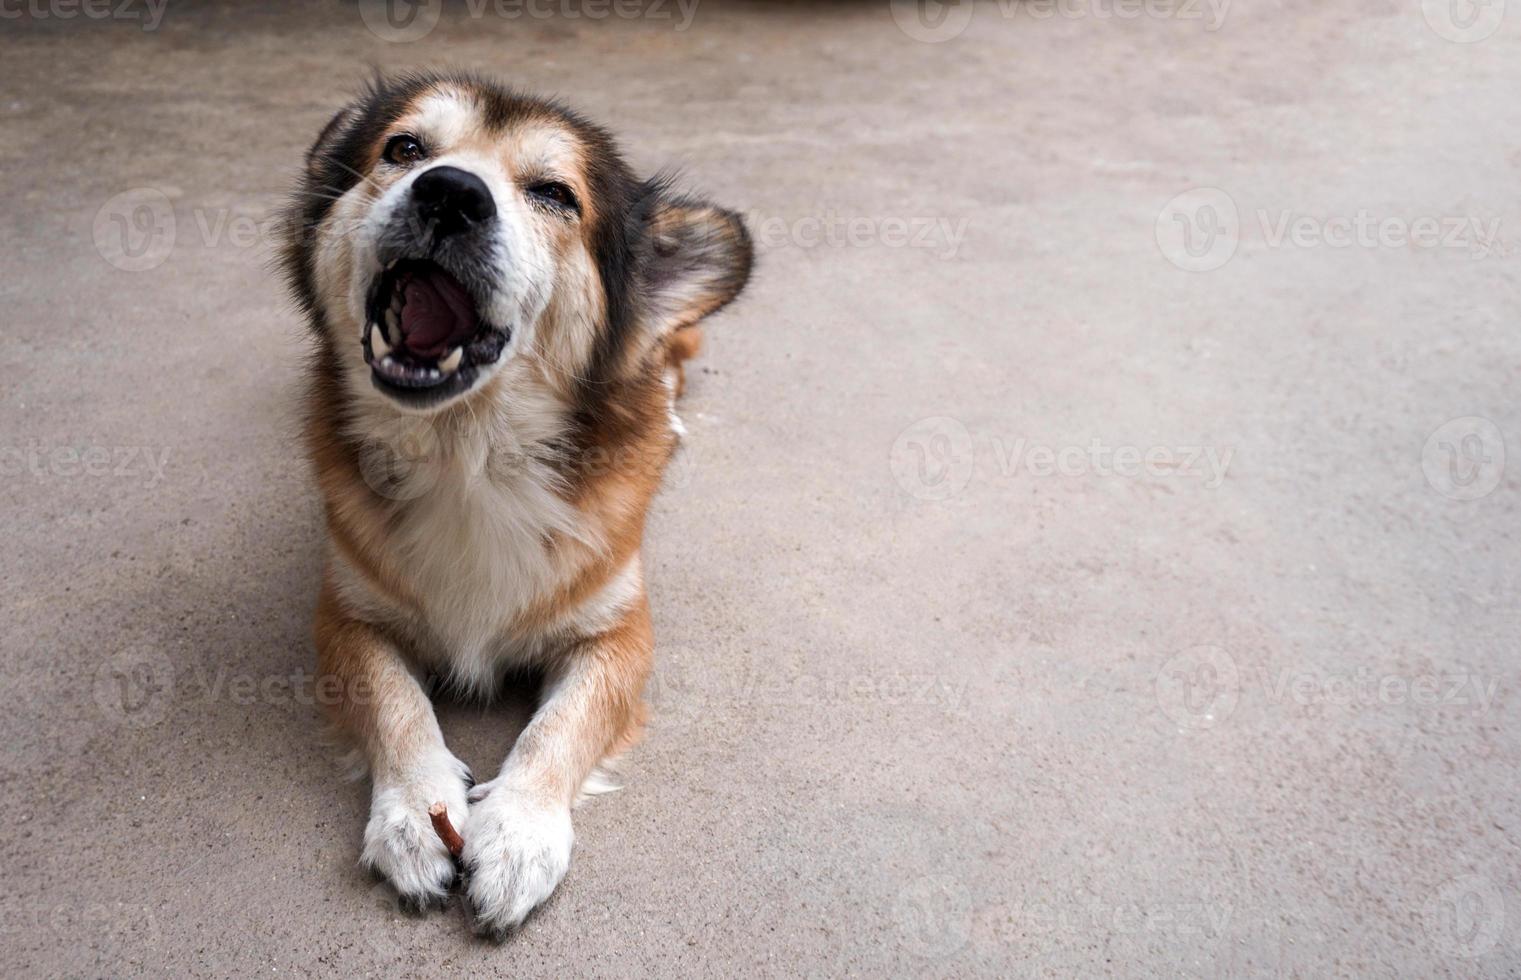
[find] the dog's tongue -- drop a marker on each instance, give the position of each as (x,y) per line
(436,313)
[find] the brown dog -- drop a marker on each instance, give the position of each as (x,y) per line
(501,308)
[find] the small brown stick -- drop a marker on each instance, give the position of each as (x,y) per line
(439,814)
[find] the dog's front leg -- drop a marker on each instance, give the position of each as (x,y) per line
(375,698)
(518,846)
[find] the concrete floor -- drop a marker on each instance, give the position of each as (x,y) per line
(1064,577)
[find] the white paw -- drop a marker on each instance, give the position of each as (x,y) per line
(516,852)
(399,841)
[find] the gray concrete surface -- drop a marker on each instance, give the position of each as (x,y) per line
(930,702)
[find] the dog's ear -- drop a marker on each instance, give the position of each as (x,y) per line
(697,258)
(336,128)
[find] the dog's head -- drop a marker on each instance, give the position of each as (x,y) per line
(446,226)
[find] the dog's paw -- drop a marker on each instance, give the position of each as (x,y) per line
(516,852)
(399,841)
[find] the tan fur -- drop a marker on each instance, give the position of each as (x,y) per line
(610,488)
(615,481)
(502,529)
(685,343)
(382,706)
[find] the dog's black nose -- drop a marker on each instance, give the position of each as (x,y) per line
(449,199)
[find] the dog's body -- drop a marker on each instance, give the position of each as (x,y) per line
(501,312)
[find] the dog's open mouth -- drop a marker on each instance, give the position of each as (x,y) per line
(425,339)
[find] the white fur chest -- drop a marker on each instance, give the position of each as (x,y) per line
(477,503)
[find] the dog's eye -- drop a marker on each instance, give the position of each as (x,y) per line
(403,150)
(557,194)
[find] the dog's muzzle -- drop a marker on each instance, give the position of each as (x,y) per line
(425,338)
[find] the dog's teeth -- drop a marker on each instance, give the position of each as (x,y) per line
(449,364)
(378,344)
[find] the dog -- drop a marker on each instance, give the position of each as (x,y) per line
(501,310)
